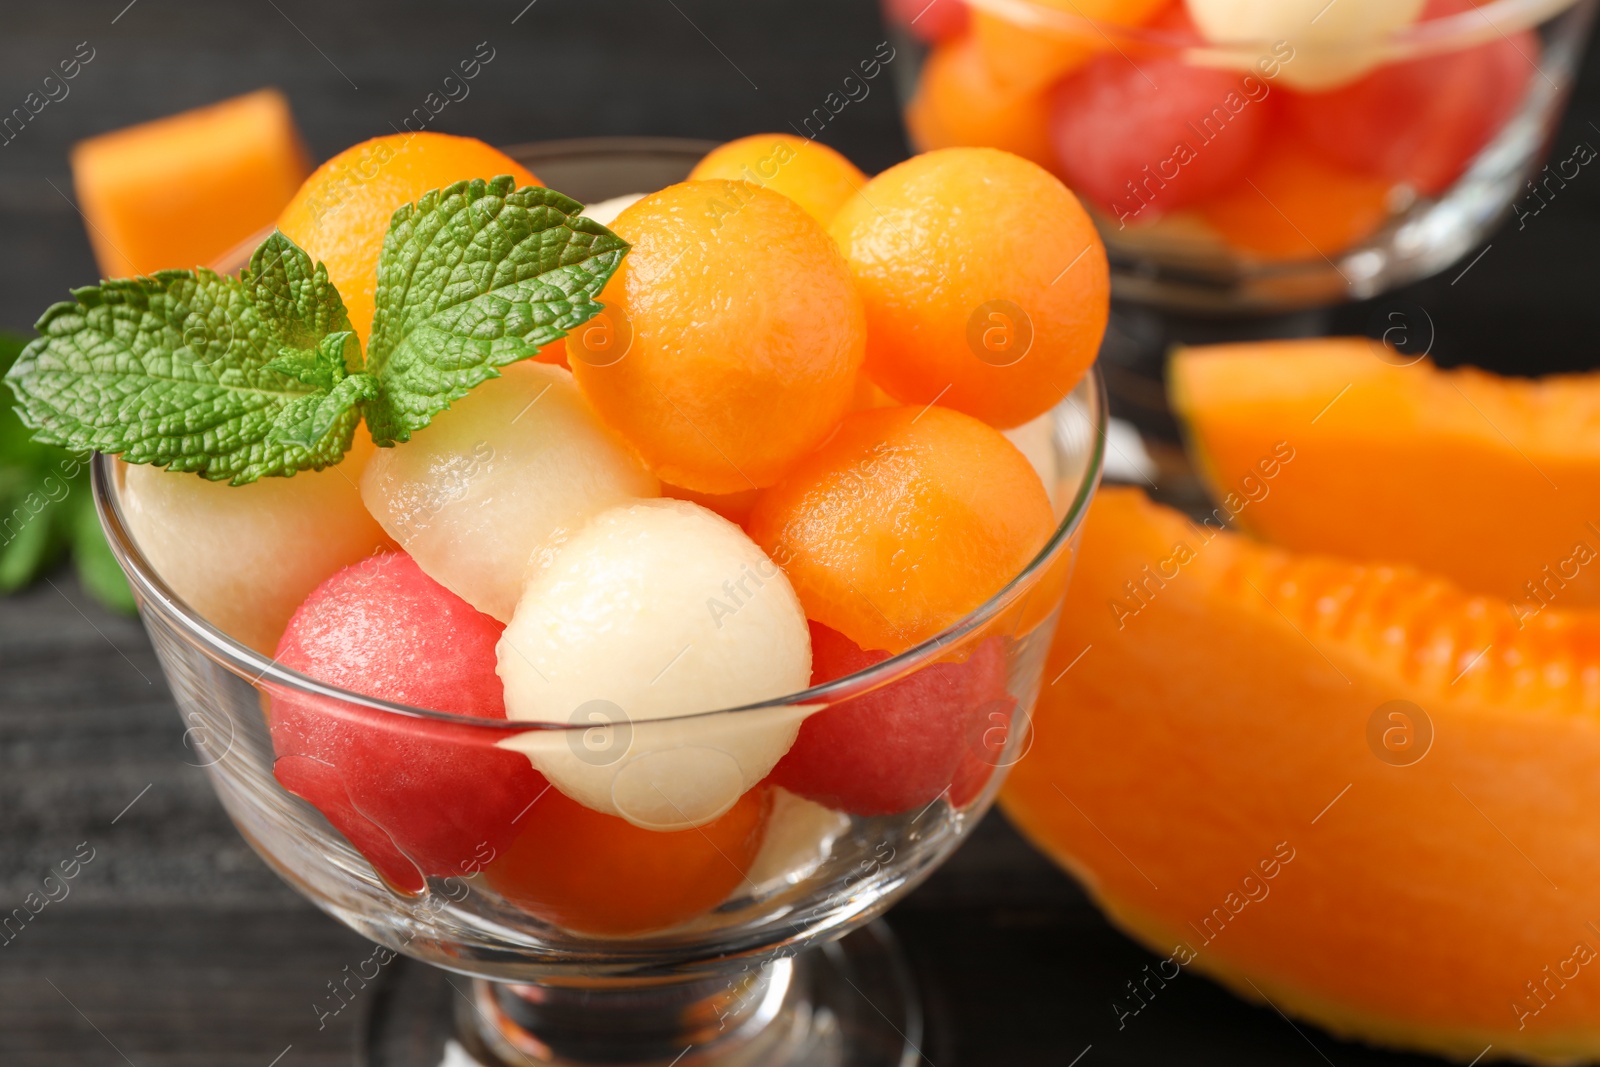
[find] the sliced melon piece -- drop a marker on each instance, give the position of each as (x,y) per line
(1215,758)
(183,190)
(1491,482)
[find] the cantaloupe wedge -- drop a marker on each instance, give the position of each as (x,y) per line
(181,191)
(1491,482)
(1215,759)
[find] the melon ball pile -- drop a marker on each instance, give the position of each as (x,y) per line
(1270,130)
(780,455)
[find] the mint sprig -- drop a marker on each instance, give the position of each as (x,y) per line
(261,375)
(182,369)
(473,277)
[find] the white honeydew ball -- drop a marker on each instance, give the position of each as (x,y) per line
(800,836)
(605,212)
(653,610)
(1334,43)
(245,556)
(474,493)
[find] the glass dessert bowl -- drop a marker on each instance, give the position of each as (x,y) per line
(1262,158)
(691,909)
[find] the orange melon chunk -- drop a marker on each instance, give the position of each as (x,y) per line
(1030,57)
(1214,759)
(1491,482)
(1292,205)
(959,103)
(183,190)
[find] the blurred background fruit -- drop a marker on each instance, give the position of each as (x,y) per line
(1491,482)
(181,191)
(1157,106)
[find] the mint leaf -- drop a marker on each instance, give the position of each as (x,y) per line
(17,446)
(310,418)
(324,366)
(46,506)
(473,277)
(98,570)
(181,369)
(29,543)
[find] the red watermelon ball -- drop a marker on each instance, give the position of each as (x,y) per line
(986,750)
(1421,121)
(930,21)
(1145,136)
(898,747)
(415,796)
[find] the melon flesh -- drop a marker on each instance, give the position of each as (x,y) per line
(631,627)
(1219,723)
(181,191)
(245,556)
(520,459)
(1491,482)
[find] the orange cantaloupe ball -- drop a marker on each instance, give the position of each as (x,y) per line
(904,522)
(1024,57)
(1294,205)
(959,102)
(811,174)
(341,213)
(597,874)
(986,286)
(744,335)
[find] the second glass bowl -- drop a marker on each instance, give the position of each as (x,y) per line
(1303,159)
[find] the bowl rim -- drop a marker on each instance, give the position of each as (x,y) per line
(262,671)
(1494,19)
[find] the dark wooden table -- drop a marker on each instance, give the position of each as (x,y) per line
(176,946)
